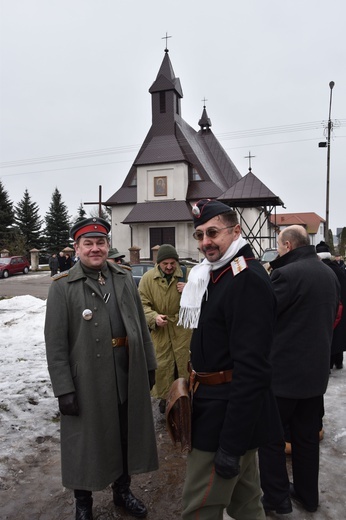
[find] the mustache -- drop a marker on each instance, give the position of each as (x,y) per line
(209,248)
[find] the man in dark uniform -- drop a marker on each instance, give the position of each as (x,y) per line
(230,303)
(102,365)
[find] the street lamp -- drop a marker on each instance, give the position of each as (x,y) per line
(329,129)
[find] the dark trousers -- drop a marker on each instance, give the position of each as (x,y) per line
(124,479)
(302,417)
(336,359)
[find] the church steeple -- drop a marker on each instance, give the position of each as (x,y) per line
(204,122)
(166,94)
(165,79)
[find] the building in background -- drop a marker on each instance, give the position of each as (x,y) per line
(313,223)
(175,167)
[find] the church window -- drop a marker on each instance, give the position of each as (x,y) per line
(162,102)
(134,180)
(194,175)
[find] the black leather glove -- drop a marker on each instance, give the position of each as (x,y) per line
(226,465)
(68,404)
(151,375)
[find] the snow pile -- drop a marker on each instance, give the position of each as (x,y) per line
(28,409)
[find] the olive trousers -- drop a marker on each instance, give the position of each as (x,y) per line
(206,494)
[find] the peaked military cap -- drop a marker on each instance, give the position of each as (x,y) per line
(90,227)
(114,253)
(205,209)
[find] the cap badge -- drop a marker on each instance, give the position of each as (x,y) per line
(196,211)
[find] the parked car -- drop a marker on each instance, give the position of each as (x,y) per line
(268,255)
(12,265)
(139,269)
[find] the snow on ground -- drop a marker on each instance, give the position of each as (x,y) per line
(29,411)
(27,405)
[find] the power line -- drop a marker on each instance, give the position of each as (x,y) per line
(240,134)
(130,161)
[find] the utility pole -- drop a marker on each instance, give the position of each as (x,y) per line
(322,145)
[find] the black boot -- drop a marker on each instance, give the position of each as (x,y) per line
(84,508)
(123,497)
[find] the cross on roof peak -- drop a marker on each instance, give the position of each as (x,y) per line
(166,38)
(249,157)
(204,100)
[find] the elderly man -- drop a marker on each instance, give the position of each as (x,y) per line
(230,304)
(102,366)
(160,291)
(307,292)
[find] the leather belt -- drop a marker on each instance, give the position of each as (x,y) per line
(120,342)
(209,378)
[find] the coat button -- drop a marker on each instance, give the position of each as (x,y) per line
(97,340)
(92,294)
(96,324)
(98,355)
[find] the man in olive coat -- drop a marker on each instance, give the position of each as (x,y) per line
(160,290)
(102,366)
(230,304)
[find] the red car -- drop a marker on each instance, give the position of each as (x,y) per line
(12,265)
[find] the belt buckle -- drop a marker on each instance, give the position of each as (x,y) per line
(115,342)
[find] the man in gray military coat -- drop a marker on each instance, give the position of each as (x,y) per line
(102,367)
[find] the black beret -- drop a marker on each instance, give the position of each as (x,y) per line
(205,209)
(90,227)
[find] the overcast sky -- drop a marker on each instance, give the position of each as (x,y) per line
(75,105)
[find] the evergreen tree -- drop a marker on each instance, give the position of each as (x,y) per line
(331,241)
(28,222)
(342,243)
(6,219)
(57,224)
(81,215)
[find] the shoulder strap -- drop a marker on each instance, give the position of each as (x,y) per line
(59,275)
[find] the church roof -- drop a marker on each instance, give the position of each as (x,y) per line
(171,139)
(249,192)
(159,211)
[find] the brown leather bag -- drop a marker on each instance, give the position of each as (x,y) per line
(178,414)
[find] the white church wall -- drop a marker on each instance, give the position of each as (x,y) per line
(121,233)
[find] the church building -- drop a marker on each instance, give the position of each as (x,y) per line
(175,167)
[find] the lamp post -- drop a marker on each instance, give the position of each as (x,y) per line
(329,129)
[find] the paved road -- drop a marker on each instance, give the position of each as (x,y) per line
(35,283)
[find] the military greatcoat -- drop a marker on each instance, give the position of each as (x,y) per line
(80,359)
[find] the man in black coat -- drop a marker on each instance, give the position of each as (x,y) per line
(307,292)
(230,303)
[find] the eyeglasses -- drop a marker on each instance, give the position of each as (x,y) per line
(210,232)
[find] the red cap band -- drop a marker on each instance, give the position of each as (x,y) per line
(89,229)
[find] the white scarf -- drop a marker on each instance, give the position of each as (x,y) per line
(192,295)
